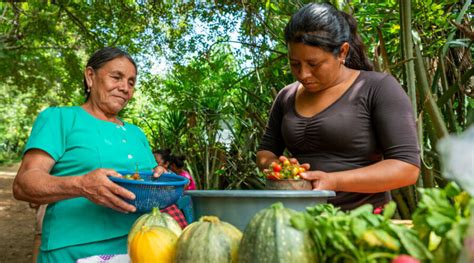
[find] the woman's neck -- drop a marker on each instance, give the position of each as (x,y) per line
(344,80)
(97,112)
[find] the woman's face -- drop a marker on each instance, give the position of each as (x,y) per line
(112,85)
(314,67)
(160,161)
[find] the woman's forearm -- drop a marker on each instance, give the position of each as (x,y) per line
(39,187)
(35,184)
(382,176)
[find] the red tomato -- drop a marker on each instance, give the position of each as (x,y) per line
(276,168)
(273,164)
(405,259)
(378,210)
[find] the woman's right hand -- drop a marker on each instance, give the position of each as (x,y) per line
(98,188)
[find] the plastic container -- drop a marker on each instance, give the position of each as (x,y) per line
(161,192)
(239,206)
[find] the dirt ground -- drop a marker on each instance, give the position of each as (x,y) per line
(16,221)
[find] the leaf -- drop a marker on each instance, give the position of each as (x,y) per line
(372,239)
(364,209)
(389,210)
(452,189)
(439,222)
(458,43)
(358,227)
(387,240)
(302,221)
(411,243)
(434,241)
(346,243)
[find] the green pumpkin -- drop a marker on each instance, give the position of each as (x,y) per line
(155,218)
(208,240)
(269,237)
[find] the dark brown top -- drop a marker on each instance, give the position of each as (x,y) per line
(371,121)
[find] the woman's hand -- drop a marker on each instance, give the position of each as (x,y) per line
(99,189)
(158,171)
(320,180)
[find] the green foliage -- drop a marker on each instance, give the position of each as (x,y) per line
(358,235)
(442,220)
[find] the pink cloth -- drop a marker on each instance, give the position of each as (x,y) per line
(191,185)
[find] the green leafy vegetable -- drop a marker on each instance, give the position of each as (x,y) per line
(358,235)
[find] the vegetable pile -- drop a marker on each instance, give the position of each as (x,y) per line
(442,220)
(322,233)
(284,171)
(359,235)
(134,176)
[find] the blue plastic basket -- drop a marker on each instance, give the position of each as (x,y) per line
(161,192)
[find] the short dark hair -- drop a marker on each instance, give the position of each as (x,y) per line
(322,25)
(102,56)
(165,154)
(178,161)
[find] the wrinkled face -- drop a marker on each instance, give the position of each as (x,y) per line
(313,67)
(112,85)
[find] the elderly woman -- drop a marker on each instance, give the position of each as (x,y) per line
(352,126)
(69,156)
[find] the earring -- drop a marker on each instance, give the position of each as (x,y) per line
(89,90)
(343,62)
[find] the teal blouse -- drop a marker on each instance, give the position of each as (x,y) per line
(80,143)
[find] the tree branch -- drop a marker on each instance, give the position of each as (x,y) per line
(81,25)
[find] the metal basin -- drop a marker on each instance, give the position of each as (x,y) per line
(239,206)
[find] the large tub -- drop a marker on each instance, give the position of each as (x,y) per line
(239,206)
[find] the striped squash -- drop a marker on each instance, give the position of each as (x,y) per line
(269,237)
(208,240)
(155,218)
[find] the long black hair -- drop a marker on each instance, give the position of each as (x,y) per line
(323,26)
(102,56)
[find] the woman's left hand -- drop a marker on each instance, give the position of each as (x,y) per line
(158,171)
(320,180)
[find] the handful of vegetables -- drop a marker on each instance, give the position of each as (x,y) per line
(134,176)
(284,170)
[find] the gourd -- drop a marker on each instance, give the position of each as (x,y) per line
(208,240)
(153,244)
(270,237)
(155,218)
